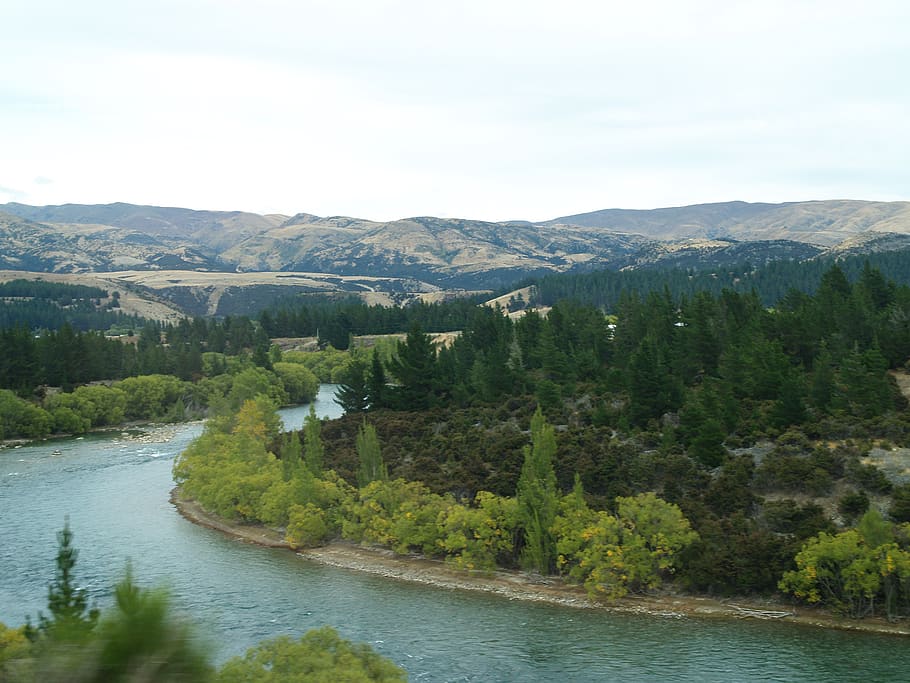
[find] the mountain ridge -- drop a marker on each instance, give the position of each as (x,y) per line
(445,252)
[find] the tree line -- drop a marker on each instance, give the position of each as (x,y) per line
(222,385)
(770,281)
(334,321)
(40,305)
(726,364)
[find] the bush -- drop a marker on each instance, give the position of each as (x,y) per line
(853,504)
(868,477)
(900,503)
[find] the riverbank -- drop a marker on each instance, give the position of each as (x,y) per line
(142,431)
(522,586)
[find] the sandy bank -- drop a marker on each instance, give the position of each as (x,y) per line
(522,586)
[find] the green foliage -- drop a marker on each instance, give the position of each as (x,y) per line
(697,376)
(369,455)
(307,526)
(299,383)
(789,517)
(314,451)
(251,382)
(335,319)
(291,452)
(537,497)
(324,364)
(786,470)
(399,514)
(149,396)
(377,395)
(415,369)
(480,536)
(854,571)
(19,418)
(900,503)
(141,638)
(852,505)
(70,618)
(14,649)
(230,471)
(612,554)
(87,407)
(353,392)
(653,390)
(320,656)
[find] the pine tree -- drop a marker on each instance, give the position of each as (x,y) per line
(353,390)
(415,369)
(71,617)
(377,391)
(538,497)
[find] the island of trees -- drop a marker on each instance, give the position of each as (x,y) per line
(710,440)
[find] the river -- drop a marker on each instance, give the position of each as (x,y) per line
(114,487)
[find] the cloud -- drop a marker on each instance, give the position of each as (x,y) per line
(487,110)
(10,194)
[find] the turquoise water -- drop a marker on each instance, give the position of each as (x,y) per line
(115,490)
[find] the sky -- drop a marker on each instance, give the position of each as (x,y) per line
(492,110)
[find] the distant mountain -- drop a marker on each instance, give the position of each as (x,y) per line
(704,254)
(80,248)
(871,243)
(213,229)
(824,223)
(450,253)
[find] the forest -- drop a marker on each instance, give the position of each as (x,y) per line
(710,440)
(771,281)
(37,305)
(707,440)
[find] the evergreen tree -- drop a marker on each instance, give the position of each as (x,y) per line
(377,390)
(415,369)
(71,617)
(823,383)
(789,408)
(653,390)
(538,497)
(353,390)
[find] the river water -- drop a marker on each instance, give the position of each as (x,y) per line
(115,486)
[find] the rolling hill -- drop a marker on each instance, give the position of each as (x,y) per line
(435,252)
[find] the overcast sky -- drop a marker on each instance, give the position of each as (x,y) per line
(490,110)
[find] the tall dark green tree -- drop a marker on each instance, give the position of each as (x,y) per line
(377,388)
(353,389)
(70,618)
(415,369)
(653,390)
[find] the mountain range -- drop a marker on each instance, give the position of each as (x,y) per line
(439,252)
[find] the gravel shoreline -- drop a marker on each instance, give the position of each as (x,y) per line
(522,586)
